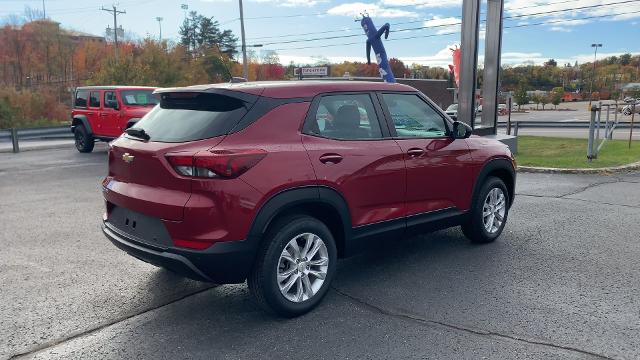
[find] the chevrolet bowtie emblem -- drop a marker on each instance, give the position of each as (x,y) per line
(128,158)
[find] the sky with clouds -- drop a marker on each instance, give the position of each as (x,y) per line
(422,31)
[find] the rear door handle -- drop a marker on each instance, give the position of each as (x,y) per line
(104,114)
(415,152)
(330,158)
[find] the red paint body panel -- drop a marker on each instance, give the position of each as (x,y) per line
(440,178)
(148,184)
(223,209)
(371,176)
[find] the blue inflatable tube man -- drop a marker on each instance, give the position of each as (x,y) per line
(374,40)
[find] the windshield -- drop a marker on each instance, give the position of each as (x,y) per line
(184,117)
(139,98)
(452,107)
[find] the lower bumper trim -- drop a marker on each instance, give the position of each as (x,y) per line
(174,262)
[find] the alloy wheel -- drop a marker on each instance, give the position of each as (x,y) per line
(493,210)
(302,267)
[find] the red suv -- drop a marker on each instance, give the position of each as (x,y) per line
(104,112)
(273,182)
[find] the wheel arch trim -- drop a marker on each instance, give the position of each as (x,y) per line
(492,166)
(288,199)
(81,120)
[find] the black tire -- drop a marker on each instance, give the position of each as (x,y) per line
(474,228)
(262,280)
(84,141)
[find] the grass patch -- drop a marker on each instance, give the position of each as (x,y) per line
(572,153)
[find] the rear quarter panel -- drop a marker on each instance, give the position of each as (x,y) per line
(286,166)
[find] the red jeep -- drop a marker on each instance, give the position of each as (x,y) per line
(104,112)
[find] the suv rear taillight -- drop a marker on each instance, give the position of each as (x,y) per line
(216,163)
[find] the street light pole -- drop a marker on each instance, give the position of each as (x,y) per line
(160,24)
(595,54)
(245,66)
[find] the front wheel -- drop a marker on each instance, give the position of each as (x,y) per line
(83,140)
(294,267)
(488,213)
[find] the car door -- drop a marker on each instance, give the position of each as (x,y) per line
(352,153)
(439,171)
(93,113)
(110,114)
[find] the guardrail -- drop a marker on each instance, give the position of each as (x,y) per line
(559,124)
(51,132)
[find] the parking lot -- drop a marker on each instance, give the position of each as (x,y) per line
(563,281)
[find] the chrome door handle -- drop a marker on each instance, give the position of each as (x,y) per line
(330,158)
(415,152)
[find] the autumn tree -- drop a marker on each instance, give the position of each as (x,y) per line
(544,100)
(520,95)
(398,68)
(556,96)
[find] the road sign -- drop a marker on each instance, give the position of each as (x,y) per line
(312,71)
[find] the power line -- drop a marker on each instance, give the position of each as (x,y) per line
(456,17)
(457,32)
(447,24)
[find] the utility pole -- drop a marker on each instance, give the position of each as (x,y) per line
(160,24)
(245,66)
(595,54)
(115,12)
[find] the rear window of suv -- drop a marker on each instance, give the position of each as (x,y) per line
(182,117)
(81,99)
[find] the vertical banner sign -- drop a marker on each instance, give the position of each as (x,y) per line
(374,40)
(456,65)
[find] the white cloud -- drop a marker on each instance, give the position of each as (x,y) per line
(423,3)
(444,25)
(292,3)
(303,60)
(357,8)
(560,29)
(527,9)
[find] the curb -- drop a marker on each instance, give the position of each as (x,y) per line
(604,170)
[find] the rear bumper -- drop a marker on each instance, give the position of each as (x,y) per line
(223,263)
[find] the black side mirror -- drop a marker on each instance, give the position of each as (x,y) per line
(461,130)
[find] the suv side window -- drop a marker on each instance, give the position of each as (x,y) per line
(413,117)
(110,100)
(345,117)
(81,98)
(94,99)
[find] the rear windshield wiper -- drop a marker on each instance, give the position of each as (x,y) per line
(138,132)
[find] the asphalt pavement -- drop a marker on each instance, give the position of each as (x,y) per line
(562,282)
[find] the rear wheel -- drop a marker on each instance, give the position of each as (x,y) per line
(489,211)
(84,141)
(295,266)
